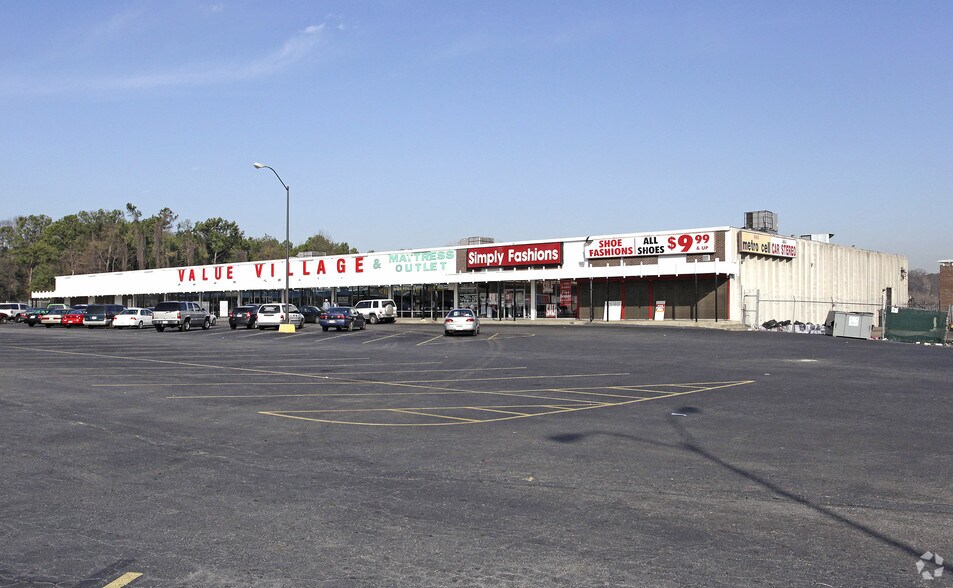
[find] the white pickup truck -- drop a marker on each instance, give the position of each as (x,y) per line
(10,310)
(182,315)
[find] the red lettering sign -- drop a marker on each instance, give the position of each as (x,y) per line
(515,255)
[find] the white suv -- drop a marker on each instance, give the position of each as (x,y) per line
(10,310)
(378,310)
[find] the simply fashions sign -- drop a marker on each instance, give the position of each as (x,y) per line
(515,255)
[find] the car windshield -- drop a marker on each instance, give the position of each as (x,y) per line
(269,308)
(167,306)
(130,311)
(459,313)
(339,310)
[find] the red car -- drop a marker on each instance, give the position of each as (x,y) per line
(74,317)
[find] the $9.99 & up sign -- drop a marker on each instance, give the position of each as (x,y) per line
(652,244)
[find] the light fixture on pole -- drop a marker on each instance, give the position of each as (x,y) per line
(287,327)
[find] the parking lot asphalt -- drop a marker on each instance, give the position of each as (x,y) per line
(530,455)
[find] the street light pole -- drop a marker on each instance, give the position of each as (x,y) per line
(287,244)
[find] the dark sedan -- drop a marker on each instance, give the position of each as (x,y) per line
(34,317)
(243,316)
(341,317)
(311,313)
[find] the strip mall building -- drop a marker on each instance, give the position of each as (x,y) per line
(707,274)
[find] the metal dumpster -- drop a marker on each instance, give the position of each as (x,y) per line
(855,325)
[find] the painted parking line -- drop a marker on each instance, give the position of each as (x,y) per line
(123,580)
(515,378)
(453,415)
(382,338)
(326,375)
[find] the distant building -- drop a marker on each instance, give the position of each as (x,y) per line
(719,273)
(946,284)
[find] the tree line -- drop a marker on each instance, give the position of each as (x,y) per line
(35,248)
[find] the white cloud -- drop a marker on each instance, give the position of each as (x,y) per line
(294,50)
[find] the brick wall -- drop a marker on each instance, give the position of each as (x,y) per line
(946,285)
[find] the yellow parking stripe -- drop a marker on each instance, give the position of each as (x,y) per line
(123,580)
(427,414)
(500,411)
(429,340)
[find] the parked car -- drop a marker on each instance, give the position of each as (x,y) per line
(311,313)
(377,310)
(33,318)
(57,306)
(461,320)
(183,315)
(53,317)
(243,316)
(133,317)
(273,315)
(73,317)
(21,316)
(10,310)
(341,317)
(102,315)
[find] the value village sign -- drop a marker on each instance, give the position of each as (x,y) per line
(308,272)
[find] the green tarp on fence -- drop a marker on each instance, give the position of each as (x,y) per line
(913,325)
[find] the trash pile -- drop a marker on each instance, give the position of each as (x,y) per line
(795,327)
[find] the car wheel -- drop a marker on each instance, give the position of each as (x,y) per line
(206,324)
(446,333)
(350,327)
(232,327)
(47,326)
(186,326)
(373,318)
(31,324)
(139,326)
(325,329)
(159,328)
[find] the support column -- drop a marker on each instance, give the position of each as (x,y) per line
(532,300)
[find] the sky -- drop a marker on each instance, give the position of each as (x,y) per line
(416,124)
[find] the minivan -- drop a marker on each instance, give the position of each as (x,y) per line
(101,315)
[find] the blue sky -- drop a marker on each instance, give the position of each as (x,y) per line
(415,124)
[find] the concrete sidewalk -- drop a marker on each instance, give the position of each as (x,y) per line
(721,325)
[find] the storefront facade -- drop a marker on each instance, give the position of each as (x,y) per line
(703,274)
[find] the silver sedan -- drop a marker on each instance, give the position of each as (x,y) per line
(461,320)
